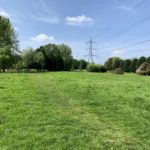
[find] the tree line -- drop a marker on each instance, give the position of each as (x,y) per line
(127,65)
(49,57)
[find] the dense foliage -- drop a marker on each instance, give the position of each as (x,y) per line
(96,68)
(50,57)
(53,57)
(126,65)
(79,64)
(8,44)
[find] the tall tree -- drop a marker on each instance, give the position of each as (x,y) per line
(122,64)
(7,42)
(109,64)
(39,60)
(133,65)
(113,63)
(127,64)
(83,64)
(75,64)
(148,59)
(28,58)
(116,63)
(140,61)
(53,58)
(66,54)
(5,58)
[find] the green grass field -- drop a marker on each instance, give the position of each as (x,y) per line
(74,111)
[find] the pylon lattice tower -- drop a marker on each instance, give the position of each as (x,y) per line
(90,49)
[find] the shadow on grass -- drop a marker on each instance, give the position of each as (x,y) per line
(31,71)
(1,87)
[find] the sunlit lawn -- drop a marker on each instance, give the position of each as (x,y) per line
(74,111)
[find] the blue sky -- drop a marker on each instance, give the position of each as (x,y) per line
(39,22)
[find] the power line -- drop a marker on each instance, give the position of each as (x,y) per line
(90,50)
(142,50)
(131,27)
(130,39)
(134,25)
(137,43)
(133,38)
(125,15)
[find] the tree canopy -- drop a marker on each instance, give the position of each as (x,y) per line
(127,65)
(8,43)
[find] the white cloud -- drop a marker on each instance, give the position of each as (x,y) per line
(42,38)
(4,14)
(118,53)
(79,20)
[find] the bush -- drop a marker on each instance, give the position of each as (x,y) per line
(102,68)
(144,69)
(95,68)
(118,71)
(144,73)
(92,68)
(19,65)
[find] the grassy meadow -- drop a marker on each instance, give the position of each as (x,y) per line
(74,111)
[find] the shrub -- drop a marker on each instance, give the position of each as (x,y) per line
(102,68)
(96,68)
(144,69)
(92,68)
(118,71)
(144,73)
(19,65)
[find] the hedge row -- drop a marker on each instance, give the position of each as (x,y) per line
(96,68)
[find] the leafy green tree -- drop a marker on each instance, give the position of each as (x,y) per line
(7,43)
(122,65)
(116,63)
(39,60)
(28,58)
(53,58)
(75,64)
(82,64)
(5,58)
(148,59)
(141,61)
(113,63)
(109,64)
(133,65)
(127,64)
(66,54)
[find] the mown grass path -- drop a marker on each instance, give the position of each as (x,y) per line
(74,111)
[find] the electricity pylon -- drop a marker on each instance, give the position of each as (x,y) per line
(90,49)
